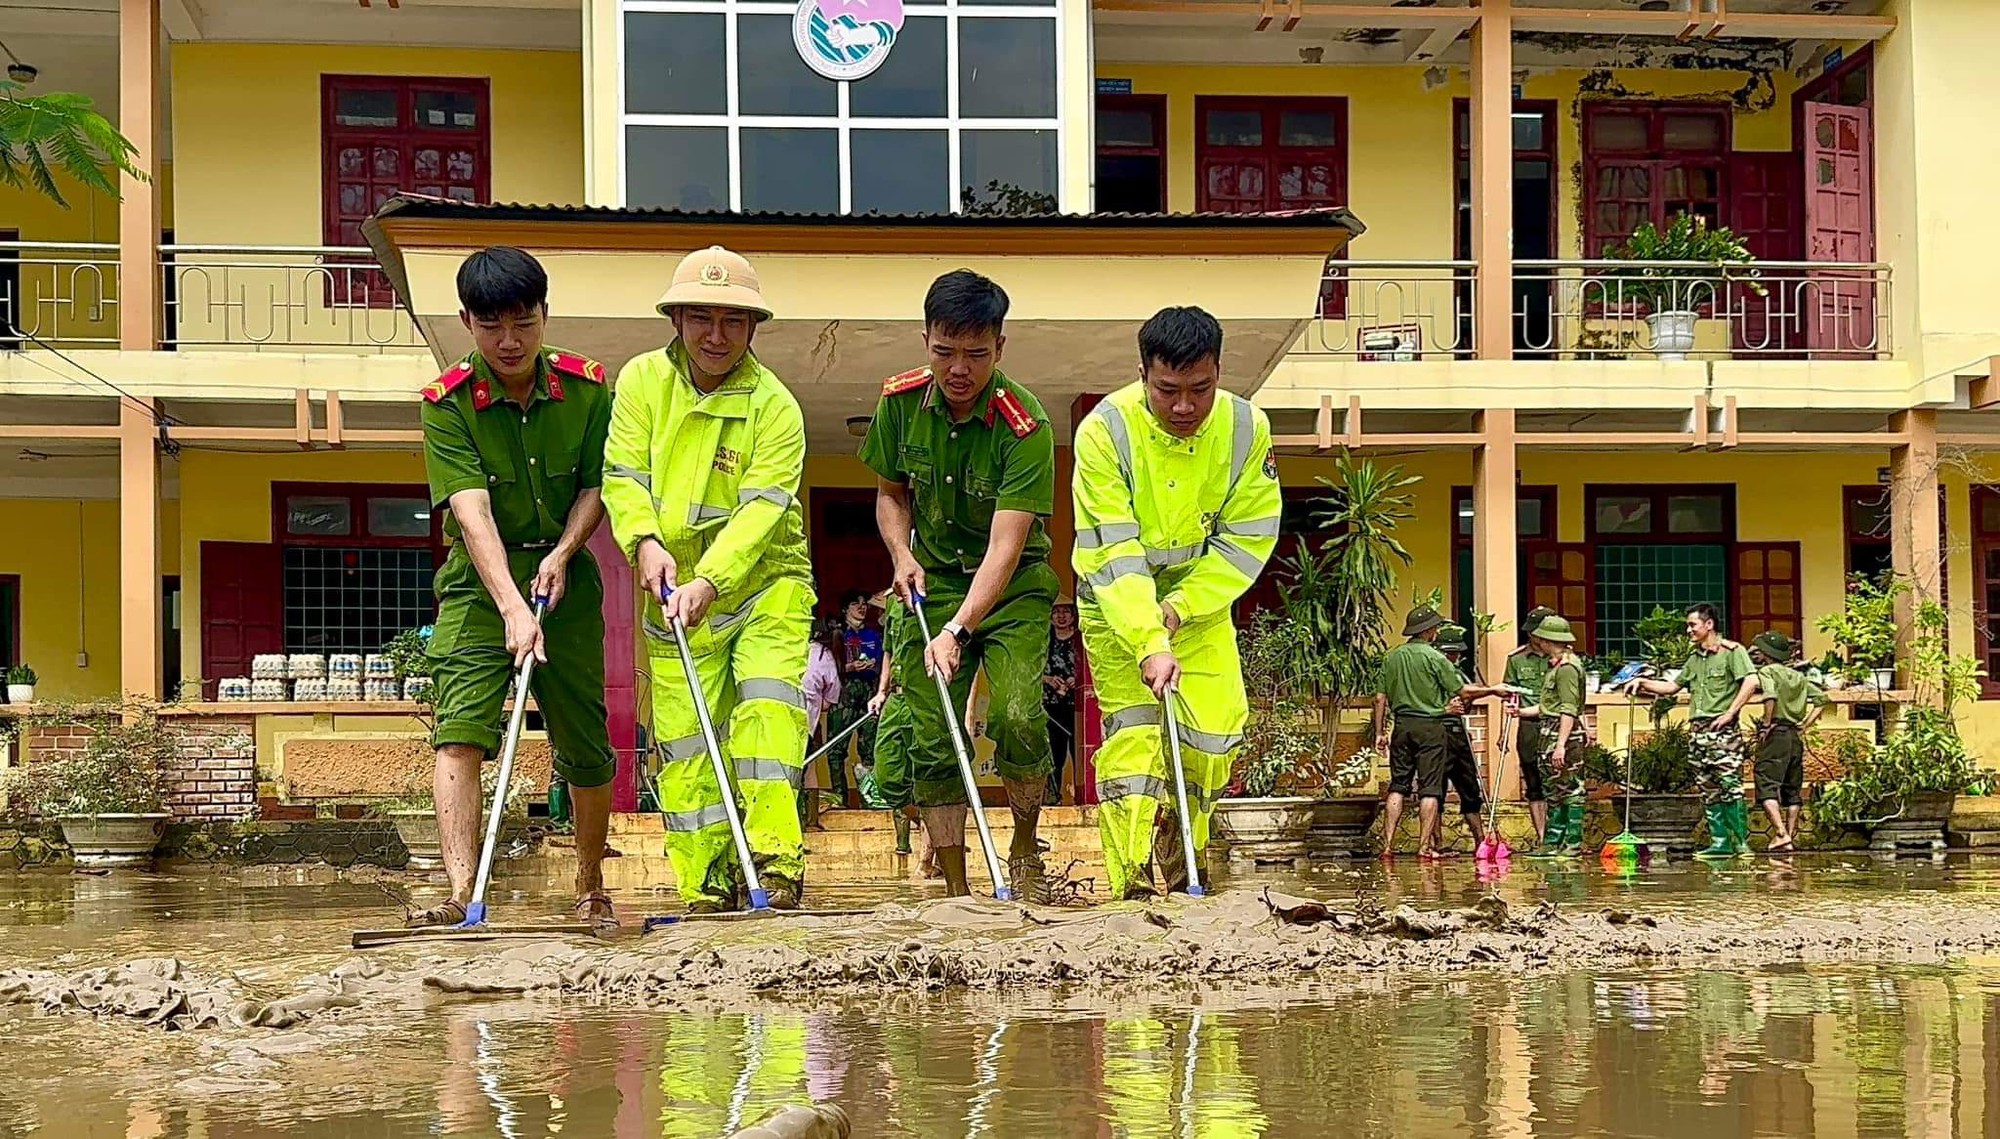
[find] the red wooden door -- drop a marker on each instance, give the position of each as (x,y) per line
(1764,212)
(621,692)
(1840,226)
(1767,589)
(242,607)
(1562,577)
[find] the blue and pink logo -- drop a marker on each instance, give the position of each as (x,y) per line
(846,39)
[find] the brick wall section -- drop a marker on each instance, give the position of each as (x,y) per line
(217,776)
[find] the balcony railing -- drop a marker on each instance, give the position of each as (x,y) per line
(66,295)
(1589,310)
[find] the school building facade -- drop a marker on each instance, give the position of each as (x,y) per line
(208,390)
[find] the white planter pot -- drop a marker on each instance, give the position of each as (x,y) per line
(1673,334)
(20,694)
(1884,679)
(100,841)
(1265,830)
(1593,683)
(419,832)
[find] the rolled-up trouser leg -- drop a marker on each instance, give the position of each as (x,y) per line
(698,839)
(767,724)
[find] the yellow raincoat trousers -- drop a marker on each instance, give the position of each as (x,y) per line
(1189,522)
(715,478)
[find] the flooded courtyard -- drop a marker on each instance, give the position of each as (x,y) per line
(1835,996)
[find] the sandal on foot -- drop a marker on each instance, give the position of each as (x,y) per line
(587,909)
(451,911)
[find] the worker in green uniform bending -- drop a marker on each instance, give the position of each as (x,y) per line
(702,475)
(1177,510)
(1461,769)
(1525,670)
(1558,713)
(514,448)
(1717,671)
(1416,688)
(1792,703)
(965,457)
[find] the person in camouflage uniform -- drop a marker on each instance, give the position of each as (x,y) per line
(1558,715)
(1717,672)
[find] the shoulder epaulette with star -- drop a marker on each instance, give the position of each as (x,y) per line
(906,381)
(453,378)
(582,367)
(1015,414)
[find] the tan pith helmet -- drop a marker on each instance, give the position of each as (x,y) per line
(715,277)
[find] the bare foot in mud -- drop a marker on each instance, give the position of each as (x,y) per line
(451,911)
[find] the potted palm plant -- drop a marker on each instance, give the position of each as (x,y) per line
(108,793)
(1688,270)
(21,681)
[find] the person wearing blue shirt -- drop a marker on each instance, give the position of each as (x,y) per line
(860,674)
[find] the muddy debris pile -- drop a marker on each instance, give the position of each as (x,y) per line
(162,992)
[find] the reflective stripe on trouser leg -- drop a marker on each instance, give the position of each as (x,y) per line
(1718,764)
(698,841)
(767,727)
(1134,771)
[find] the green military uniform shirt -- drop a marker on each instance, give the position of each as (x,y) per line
(532,461)
(1562,691)
(1418,680)
(999,457)
(1526,669)
(1792,695)
(1713,678)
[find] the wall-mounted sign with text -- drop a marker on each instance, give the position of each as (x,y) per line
(846,39)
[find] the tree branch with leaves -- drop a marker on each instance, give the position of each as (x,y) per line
(42,136)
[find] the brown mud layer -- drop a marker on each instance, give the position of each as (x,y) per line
(1238,939)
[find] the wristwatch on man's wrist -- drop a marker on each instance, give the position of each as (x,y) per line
(959,633)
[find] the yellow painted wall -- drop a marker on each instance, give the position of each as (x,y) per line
(226,497)
(63,297)
(1400,136)
(247,139)
(69,591)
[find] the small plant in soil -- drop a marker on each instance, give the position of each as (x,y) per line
(22,674)
(1662,763)
(1864,631)
(125,763)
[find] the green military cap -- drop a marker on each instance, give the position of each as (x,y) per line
(1555,628)
(1451,638)
(1775,645)
(1422,620)
(1535,617)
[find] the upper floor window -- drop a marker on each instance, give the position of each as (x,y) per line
(866,107)
(1647,162)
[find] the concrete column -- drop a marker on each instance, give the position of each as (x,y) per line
(1492,108)
(1915,532)
(138,550)
(139,205)
(1495,565)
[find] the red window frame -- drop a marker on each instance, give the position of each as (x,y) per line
(12,633)
(357,495)
(358,287)
(1332,294)
(1461,500)
(1985,611)
(1660,493)
(1852,501)
(1154,107)
(1658,161)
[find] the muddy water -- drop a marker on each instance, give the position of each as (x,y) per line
(1724,1028)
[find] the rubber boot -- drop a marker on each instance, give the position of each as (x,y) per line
(1552,835)
(1573,829)
(951,860)
(1026,874)
(1140,888)
(1739,827)
(902,832)
(1721,843)
(1170,854)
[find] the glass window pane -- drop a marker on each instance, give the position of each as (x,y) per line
(1528,131)
(675,63)
(1619,133)
(1125,126)
(1633,578)
(1624,514)
(1528,521)
(995,161)
(447,110)
(1461,510)
(1006,68)
(1869,514)
(1694,514)
(1306,128)
(778,82)
(399,517)
(365,108)
(1235,128)
(319,515)
(911,81)
(1989,513)
(1681,131)
(901,172)
(791,170)
(684,168)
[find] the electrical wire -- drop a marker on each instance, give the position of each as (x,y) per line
(160,416)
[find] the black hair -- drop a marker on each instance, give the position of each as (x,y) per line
(1706,612)
(963,303)
(502,281)
(1180,337)
(828,632)
(849,598)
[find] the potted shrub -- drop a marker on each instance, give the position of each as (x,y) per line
(1902,790)
(1864,631)
(109,794)
(414,813)
(1660,778)
(21,682)
(1689,271)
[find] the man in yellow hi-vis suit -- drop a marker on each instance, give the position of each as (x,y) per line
(701,474)
(1177,510)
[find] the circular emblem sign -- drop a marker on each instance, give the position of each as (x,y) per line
(846,39)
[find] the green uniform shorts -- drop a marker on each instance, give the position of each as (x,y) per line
(472,673)
(1781,765)
(1012,646)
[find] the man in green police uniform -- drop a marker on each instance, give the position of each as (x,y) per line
(514,446)
(1526,670)
(966,456)
(1716,673)
(1417,688)
(1792,702)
